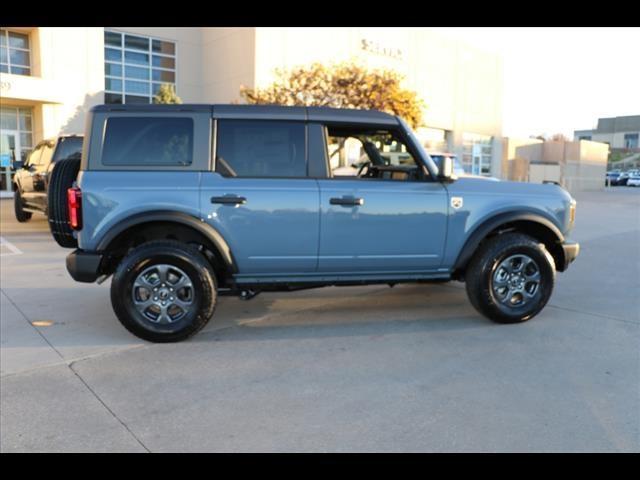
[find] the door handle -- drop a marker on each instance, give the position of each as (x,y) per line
(229,200)
(347,201)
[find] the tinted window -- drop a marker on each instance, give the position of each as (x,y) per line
(260,149)
(146,141)
(68,147)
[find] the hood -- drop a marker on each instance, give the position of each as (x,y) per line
(493,186)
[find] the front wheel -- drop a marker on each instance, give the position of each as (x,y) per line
(510,279)
(164,291)
(18,208)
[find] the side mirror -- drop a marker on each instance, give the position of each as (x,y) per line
(17,165)
(446,170)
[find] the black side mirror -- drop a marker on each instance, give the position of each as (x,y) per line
(17,165)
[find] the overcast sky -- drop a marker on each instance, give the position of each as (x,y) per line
(562,79)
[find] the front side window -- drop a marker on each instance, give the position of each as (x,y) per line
(15,55)
(135,67)
(148,141)
(254,148)
(370,153)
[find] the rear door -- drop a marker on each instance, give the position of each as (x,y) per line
(259,196)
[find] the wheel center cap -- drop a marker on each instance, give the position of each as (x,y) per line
(516,280)
(163,294)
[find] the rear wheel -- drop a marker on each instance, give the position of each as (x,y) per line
(18,207)
(164,291)
(63,175)
(510,279)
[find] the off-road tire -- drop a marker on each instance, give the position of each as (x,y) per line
(63,175)
(21,215)
(483,265)
(176,254)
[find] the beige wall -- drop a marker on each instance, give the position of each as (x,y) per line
(67,79)
(509,169)
(228,61)
(582,164)
(586,166)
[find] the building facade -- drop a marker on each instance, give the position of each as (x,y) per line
(618,132)
(50,77)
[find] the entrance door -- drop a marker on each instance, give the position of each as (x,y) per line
(9,152)
(476,161)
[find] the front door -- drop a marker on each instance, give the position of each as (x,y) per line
(260,199)
(381,214)
(9,152)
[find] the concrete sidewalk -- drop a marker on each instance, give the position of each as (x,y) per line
(412,368)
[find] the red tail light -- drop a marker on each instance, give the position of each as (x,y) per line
(74,207)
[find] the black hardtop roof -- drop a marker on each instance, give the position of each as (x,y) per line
(260,111)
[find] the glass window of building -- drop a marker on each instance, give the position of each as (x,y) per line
(477,152)
(15,56)
(16,140)
(136,66)
(631,140)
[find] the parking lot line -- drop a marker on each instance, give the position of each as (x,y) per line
(5,244)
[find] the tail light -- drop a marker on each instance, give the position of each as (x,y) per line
(74,207)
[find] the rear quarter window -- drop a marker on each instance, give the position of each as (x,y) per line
(148,141)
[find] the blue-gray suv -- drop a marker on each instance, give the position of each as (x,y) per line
(183,203)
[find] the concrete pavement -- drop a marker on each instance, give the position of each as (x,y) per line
(410,368)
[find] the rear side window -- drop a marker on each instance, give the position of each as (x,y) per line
(254,148)
(148,141)
(68,147)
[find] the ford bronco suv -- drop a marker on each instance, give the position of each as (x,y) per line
(183,203)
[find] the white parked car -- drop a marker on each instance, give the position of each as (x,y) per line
(634,180)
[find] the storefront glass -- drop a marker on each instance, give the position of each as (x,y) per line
(477,152)
(16,140)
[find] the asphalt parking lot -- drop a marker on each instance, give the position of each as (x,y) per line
(410,368)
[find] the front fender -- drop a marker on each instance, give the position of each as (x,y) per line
(485,227)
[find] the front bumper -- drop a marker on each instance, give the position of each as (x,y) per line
(571,251)
(84,266)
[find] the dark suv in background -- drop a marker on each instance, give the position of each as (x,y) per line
(31,180)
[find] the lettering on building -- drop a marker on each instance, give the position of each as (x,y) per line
(379,49)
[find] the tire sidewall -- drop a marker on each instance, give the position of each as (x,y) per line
(122,300)
(547,276)
(18,207)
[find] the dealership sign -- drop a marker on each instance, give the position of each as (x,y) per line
(379,49)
